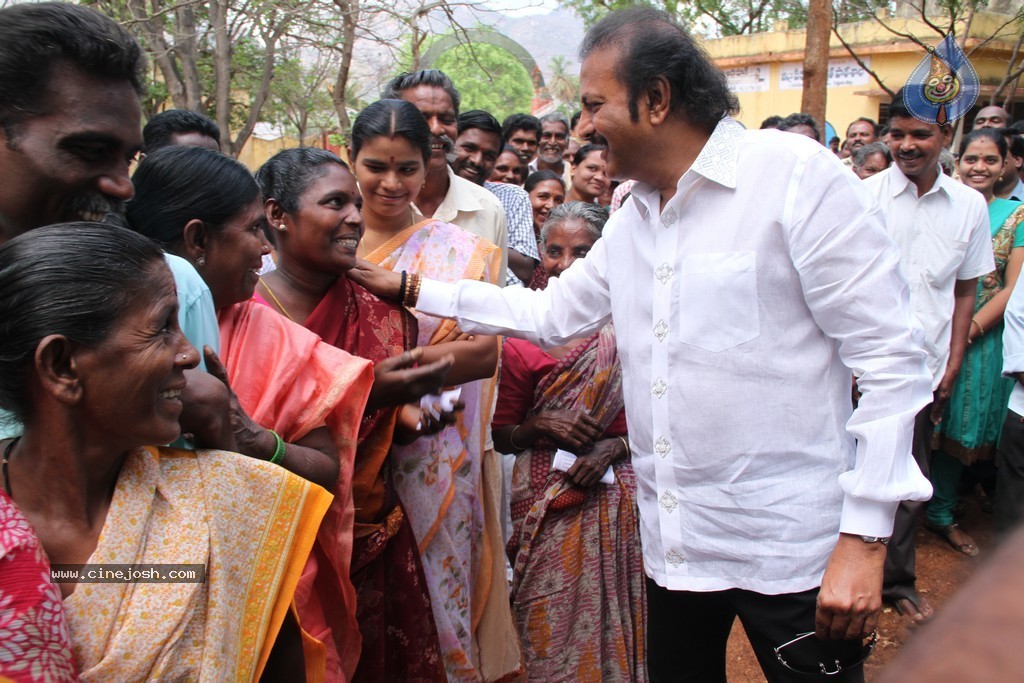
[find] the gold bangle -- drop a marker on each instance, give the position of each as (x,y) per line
(625,443)
(512,440)
(412,292)
(981,330)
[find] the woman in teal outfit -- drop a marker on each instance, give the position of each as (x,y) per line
(974,415)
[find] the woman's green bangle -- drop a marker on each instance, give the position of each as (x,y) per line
(278,455)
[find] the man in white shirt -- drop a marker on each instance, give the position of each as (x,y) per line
(741,300)
(445,196)
(1009,507)
(941,228)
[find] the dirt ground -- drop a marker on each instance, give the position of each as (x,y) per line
(940,571)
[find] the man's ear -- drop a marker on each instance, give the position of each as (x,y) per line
(57,368)
(947,135)
(659,99)
(196,240)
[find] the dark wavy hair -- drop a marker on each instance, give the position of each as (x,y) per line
(993,134)
(412,79)
(651,45)
(585,151)
(801,119)
(159,129)
(35,37)
(538,177)
(174,185)
(287,174)
(389,118)
(72,279)
(482,120)
(514,122)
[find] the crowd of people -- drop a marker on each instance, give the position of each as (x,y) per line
(465,408)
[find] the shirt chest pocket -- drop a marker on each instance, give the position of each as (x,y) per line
(718,306)
(943,258)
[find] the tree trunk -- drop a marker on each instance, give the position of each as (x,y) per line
(350,18)
(160,52)
(819,28)
(271,35)
(186,49)
(222,70)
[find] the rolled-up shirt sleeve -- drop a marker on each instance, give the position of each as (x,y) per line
(575,304)
(849,272)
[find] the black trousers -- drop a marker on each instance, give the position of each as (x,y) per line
(687,634)
(901,558)
(1009,509)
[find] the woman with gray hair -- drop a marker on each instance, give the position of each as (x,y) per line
(578,582)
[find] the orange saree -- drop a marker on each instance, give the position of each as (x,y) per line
(290,381)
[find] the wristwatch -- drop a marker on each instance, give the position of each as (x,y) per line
(884,540)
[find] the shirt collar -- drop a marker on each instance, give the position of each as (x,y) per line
(1017,193)
(718,162)
(899,183)
(460,197)
(719,158)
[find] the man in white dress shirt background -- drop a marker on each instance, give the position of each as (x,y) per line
(741,302)
(941,228)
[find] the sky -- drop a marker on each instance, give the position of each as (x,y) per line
(522,8)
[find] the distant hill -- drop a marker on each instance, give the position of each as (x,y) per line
(557,34)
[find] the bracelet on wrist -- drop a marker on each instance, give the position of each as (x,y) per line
(402,287)
(412,292)
(981,330)
(624,443)
(278,455)
(512,439)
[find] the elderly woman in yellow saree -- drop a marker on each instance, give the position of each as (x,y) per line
(448,489)
(289,387)
(92,363)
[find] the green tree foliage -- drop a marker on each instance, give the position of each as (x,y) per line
(564,85)
(301,99)
(488,78)
(711,18)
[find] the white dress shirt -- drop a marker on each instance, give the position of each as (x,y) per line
(943,237)
(1013,346)
(475,210)
(740,311)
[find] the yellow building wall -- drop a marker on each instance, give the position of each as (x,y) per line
(892,58)
(257,150)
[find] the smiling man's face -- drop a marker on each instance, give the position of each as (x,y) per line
(71,161)
(916,146)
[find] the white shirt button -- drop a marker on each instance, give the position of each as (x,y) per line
(661,330)
(659,388)
(668,501)
(662,446)
(664,273)
(669,217)
(674,557)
